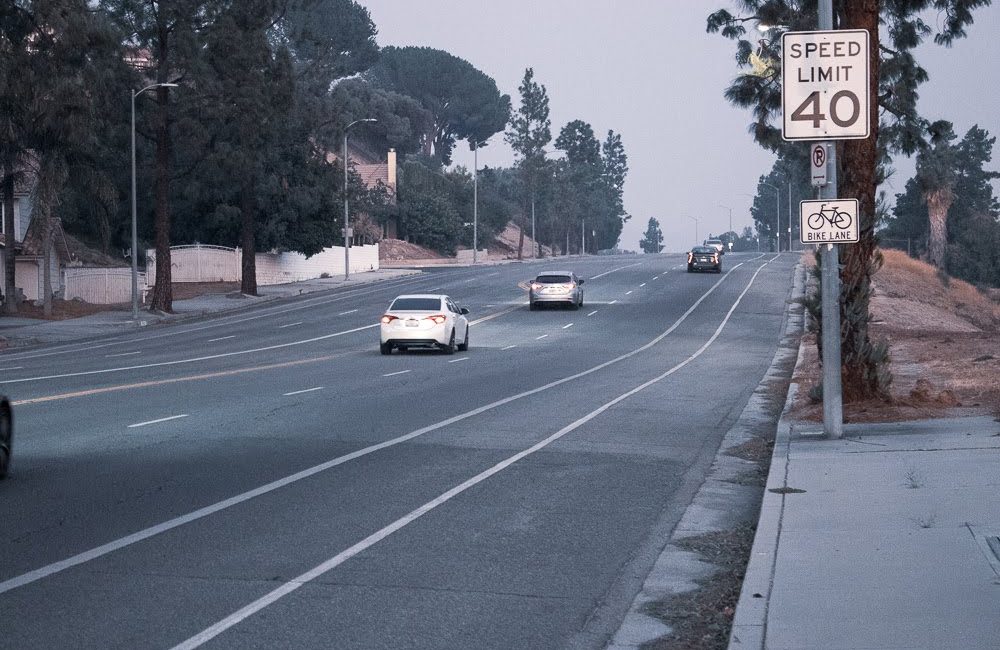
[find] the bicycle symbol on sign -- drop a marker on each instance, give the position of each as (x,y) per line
(831,215)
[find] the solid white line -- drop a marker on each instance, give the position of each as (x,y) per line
(539,338)
(123,354)
(222,338)
(349,311)
(566,327)
(152,531)
(299,392)
(509,347)
(338,559)
(281,327)
(457,360)
(393,374)
(592,313)
(627,292)
(142,424)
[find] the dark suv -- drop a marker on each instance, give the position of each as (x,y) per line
(6,435)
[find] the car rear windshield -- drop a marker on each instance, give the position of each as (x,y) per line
(702,249)
(553,279)
(415,304)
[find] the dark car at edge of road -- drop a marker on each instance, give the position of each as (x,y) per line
(6,435)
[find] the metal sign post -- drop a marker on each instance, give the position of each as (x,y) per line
(825,97)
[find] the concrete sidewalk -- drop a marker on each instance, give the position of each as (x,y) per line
(18,332)
(887,538)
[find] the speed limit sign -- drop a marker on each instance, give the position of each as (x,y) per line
(824,85)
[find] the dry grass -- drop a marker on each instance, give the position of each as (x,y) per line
(943,343)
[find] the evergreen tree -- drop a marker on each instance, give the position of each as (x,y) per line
(529,132)
(652,240)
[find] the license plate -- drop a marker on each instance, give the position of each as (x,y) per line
(412,323)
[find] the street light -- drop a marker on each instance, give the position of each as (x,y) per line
(695,219)
(347,225)
(730,216)
(777,215)
(135,236)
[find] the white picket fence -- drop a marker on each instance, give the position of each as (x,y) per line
(101,286)
(202,263)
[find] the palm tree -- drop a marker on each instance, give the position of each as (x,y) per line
(936,177)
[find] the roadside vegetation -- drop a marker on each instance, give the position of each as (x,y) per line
(241,113)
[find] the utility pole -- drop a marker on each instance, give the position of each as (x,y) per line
(475,202)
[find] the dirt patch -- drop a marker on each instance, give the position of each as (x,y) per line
(397,249)
(701,619)
(944,347)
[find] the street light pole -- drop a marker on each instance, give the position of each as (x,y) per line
(347,223)
(695,219)
(730,216)
(135,235)
(777,216)
(475,203)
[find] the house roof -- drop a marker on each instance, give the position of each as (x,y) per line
(372,175)
(34,246)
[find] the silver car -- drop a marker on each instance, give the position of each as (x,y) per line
(556,287)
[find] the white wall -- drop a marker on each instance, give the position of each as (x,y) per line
(101,286)
(218,264)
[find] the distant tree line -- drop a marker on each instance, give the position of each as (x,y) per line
(240,112)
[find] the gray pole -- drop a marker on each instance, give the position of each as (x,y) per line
(789,215)
(534,250)
(475,203)
(583,236)
(135,236)
(347,243)
(833,407)
(777,215)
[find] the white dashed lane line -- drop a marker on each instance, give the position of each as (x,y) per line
(457,360)
(307,390)
(539,338)
(393,374)
(221,338)
(509,347)
(14,368)
(142,424)
(123,354)
(642,285)
(592,313)
(566,327)
(612,302)
(345,313)
(627,292)
(289,325)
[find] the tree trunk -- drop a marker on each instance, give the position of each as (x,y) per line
(864,369)
(9,289)
(938,204)
(520,242)
(163,296)
(247,236)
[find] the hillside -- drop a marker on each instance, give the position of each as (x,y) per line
(944,346)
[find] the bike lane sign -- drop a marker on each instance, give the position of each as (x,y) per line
(831,221)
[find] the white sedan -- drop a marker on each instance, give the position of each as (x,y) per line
(424,321)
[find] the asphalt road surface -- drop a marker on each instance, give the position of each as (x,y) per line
(267,479)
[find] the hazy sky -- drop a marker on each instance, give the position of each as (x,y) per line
(648,70)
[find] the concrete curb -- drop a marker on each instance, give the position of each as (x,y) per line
(749,628)
(711,510)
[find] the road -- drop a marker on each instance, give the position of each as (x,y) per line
(267,479)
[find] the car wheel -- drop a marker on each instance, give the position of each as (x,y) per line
(463,347)
(385,348)
(718,269)
(6,437)
(450,348)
